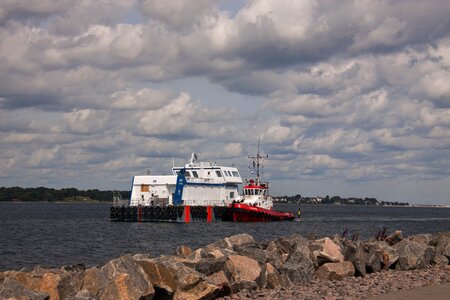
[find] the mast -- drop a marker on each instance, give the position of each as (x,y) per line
(258,161)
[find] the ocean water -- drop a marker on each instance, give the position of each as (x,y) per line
(58,234)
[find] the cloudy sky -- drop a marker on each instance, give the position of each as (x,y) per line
(349,98)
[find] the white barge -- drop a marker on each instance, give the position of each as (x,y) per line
(199,191)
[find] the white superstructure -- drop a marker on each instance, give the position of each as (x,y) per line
(195,184)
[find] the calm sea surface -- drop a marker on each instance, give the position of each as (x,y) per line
(50,234)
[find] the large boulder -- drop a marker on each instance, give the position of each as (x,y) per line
(325,250)
(379,255)
(442,243)
(235,240)
(70,283)
(220,280)
(354,252)
(335,271)
(423,238)
(39,280)
(271,278)
(208,265)
(120,278)
(276,254)
(411,255)
(244,272)
(12,289)
(169,274)
(253,251)
(299,266)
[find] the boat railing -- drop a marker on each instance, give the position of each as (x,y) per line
(118,201)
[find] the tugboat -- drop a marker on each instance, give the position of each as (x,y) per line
(255,204)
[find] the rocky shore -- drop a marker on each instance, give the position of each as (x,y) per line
(238,267)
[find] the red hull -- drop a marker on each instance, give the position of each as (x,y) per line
(239,212)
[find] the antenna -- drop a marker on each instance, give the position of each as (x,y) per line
(258,161)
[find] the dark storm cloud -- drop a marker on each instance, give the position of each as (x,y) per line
(19,101)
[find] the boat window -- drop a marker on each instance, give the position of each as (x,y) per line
(195,174)
(188,174)
(235,174)
(231,195)
(218,173)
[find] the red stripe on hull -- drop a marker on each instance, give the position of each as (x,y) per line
(246,213)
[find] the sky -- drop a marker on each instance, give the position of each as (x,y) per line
(349,98)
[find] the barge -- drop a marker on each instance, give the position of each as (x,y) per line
(198,192)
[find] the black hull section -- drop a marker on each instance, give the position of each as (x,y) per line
(182,214)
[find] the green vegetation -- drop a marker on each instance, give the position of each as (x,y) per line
(53,195)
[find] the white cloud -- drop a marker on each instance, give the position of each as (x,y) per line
(350,90)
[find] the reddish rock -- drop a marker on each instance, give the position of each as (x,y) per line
(125,288)
(203,290)
(219,279)
(120,278)
(12,289)
(39,281)
(336,271)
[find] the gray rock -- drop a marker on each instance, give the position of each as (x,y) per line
(207,266)
(235,240)
(421,238)
(299,266)
(411,255)
(354,252)
(442,243)
(379,255)
(70,284)
(252,251)
(276,255)
(10,288)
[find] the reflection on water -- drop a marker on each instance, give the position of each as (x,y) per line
(53,234)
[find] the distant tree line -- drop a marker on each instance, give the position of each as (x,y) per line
(335,200)
(53,195)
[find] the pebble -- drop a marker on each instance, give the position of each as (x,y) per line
(355,287)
